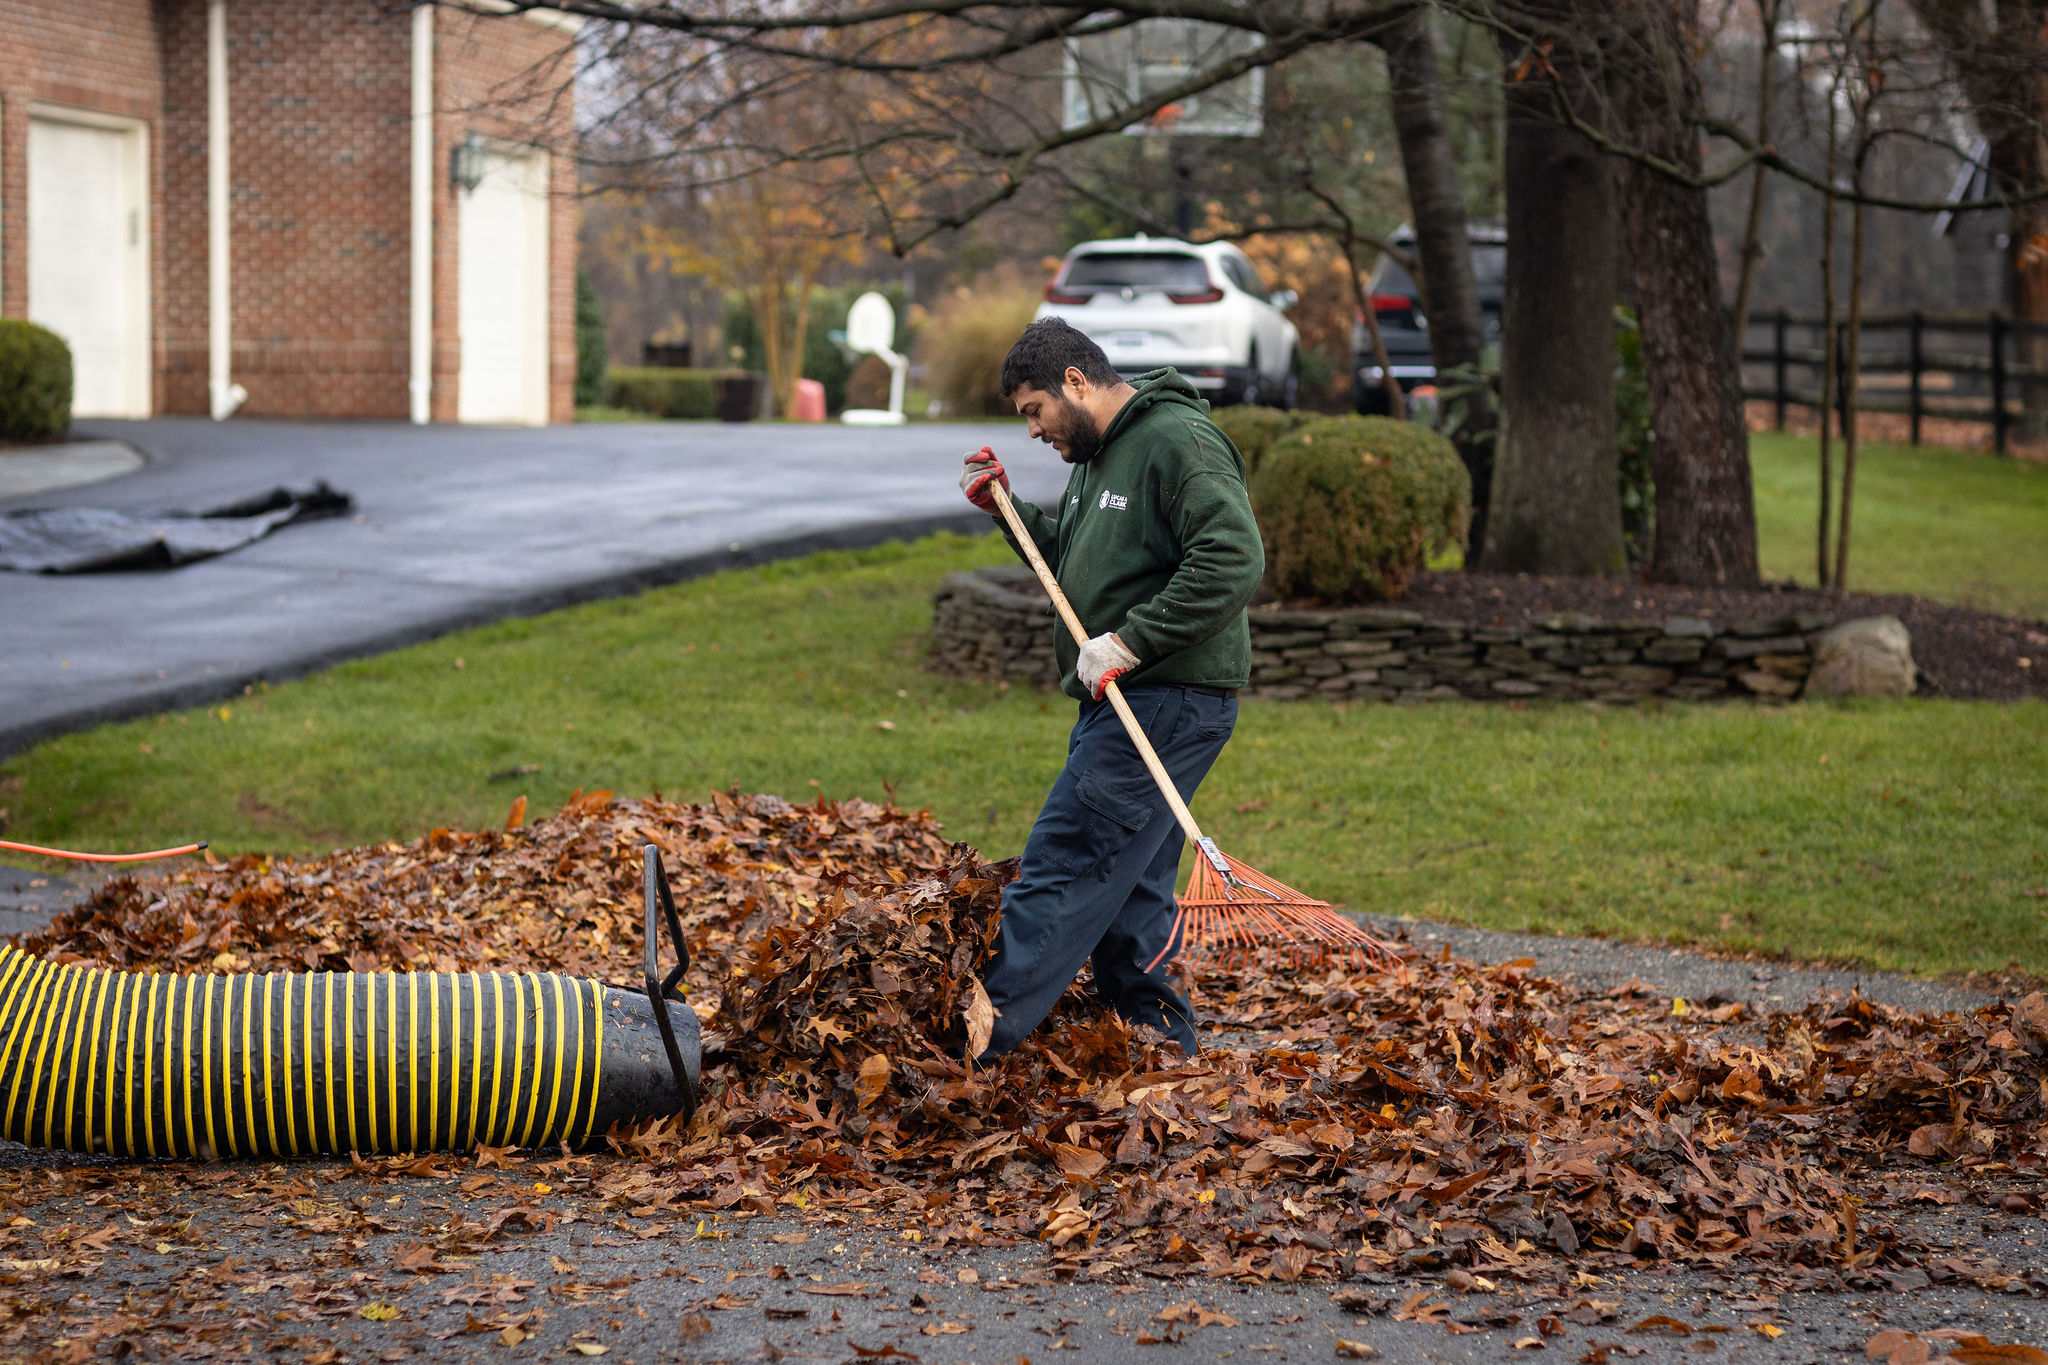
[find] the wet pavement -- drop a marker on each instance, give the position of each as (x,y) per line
(455,526)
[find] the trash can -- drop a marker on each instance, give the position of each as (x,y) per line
(810,401)
(739,396)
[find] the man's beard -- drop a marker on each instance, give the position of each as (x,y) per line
(1080,432)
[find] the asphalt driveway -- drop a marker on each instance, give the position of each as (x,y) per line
(455,526)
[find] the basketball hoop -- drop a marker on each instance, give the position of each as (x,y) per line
(1109,72)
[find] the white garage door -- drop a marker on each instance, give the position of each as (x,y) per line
(88,257)
(503,281)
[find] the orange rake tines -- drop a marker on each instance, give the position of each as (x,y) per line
(1232,915)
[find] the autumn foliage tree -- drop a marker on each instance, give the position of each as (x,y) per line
(767,238)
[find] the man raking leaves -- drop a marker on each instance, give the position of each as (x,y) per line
(1155,547)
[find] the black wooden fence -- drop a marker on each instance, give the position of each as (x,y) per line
(1973,368)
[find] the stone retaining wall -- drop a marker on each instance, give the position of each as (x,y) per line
(997,623)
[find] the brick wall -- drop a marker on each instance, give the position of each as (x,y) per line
(181,229)
(90,54)
(319,97)
(508,77)
(320,100)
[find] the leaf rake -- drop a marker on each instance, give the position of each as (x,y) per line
(1231,915)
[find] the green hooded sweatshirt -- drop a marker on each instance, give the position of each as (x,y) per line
(1154,539)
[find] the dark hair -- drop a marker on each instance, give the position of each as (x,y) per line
(1041,357)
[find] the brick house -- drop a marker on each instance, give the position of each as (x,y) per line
(294,208)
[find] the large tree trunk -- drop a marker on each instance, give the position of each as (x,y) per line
(1556,502)
(1450,295)
(1706,515)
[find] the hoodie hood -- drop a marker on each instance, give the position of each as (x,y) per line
(1155,387)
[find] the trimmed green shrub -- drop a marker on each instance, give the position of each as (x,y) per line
(35,381)
(1253,429)
(1351,507)
(590,345)
(665,392)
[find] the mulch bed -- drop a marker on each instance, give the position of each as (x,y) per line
(1445,1116)
(1961,653)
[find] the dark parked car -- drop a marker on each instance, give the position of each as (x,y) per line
(1397,304)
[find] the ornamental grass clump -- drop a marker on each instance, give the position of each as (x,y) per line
(969,333)
(1352,507)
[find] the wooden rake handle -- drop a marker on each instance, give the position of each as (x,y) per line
(1115,693)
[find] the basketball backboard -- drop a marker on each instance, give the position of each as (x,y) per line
(1109,71)
(870,325)
(871,330)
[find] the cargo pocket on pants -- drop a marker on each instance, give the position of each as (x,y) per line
(1114,817)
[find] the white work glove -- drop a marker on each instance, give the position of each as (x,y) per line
(1103,660)
(980,468)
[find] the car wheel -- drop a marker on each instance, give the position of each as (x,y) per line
(1290,387)
(1253,390)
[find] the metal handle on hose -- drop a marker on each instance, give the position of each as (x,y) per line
(661,990)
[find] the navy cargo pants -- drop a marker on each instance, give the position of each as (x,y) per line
(1098,872)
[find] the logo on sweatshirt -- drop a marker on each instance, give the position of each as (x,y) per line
(1117,501)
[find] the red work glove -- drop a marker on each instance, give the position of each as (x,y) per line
(979,469)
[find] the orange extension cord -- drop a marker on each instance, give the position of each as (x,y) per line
(102,857)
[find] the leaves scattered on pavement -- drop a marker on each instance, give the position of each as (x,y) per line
(1482,1121)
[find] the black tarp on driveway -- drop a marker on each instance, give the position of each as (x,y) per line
(97,539)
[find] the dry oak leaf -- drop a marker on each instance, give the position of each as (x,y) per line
(1417,1309)
(831,1029)
(1356,1350)
(1997,1353)
(873,1079)
(1588,1312)
(497,1156)
(1083,1163)
(1194,1315)
(845,1291)
(1898,1348)
(1661,1323)
(945,1329)
(980,1015)
(1065,1221)
(1931,1139)
(1290,1261)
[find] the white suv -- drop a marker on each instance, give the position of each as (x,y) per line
(1153,301)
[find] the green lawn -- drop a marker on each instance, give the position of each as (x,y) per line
(1905,834)
(1941,523)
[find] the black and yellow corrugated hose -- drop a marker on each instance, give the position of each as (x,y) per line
(155,1065)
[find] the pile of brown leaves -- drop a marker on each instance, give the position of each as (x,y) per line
(1443,1115)
(561,895)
